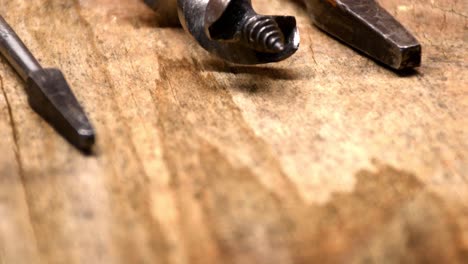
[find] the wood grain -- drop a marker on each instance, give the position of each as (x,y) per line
(323,158)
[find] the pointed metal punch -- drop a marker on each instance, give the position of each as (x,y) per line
(367,27)
(48,92)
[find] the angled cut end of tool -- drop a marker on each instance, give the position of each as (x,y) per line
(51,97)
(367,27)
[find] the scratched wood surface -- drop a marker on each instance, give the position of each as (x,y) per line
(323,158)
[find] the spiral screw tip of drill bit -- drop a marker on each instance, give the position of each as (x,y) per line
(277,46)
(263,34)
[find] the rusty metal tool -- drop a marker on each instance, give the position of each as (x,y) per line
(367,27)
(233,31)
(48,92)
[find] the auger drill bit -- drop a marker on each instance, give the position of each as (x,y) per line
(367,27)
(48,92)
(233,31)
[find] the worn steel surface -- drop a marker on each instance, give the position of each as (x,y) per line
(48,92)
(233,31)
(363,25)
(366,26)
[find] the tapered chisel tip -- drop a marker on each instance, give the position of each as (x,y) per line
(367,27)
(86,138)
(51,97)
(410,57)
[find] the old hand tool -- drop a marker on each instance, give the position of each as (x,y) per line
(48,92)
(233,31)
(366,26)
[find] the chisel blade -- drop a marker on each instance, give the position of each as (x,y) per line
(367,27)
(51,97)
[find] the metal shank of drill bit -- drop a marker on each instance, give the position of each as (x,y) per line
(48,92)
(237,41)
(366,26)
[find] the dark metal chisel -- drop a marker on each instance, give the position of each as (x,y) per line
(367,27)
(48,92)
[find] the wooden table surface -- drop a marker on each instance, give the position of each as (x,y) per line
(323,158)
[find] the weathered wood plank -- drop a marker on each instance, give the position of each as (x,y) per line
(326,157)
